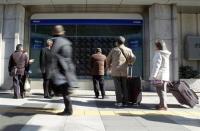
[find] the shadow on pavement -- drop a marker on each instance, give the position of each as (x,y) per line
(164,118)
(18,127)
(105,103)
(20,111)
(47,100)
(6,95)
(110,104)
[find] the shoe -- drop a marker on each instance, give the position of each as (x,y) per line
(15,97)
(23,95)
(103,96)
(48,97)
(96,96)
(162,108)
(65,113)
(118,104)
(52,95)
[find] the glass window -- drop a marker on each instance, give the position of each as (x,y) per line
(85,39)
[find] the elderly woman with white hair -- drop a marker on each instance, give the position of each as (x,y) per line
(160,72)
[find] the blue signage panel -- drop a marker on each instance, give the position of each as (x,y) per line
(135,43)
(86,22)
(37,43)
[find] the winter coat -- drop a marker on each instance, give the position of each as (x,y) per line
(45,61)
(98,64)
(160,66)
(62,68)
(117,62)
(19,60)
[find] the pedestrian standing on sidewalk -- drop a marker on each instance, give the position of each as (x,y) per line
(17,63)
(45,61)
(62,68)
(98,65)
(160,72)
(117,61)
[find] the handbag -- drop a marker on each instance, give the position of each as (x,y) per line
(130,66)
(27,85)
(157,83)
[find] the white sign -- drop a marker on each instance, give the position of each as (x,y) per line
(192,48)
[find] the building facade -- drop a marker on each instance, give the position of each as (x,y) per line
(91,23)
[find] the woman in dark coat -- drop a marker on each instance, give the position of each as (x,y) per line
(45,61)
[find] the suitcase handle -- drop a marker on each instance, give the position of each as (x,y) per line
(129,71)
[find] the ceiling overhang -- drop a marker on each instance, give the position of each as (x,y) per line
(99,2)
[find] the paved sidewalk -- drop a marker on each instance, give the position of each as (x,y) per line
(35,113)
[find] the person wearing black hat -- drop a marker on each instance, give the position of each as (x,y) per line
(62,68)
(98,65)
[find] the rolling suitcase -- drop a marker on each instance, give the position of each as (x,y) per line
(134,85)
(184,95)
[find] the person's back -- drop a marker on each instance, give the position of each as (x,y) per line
(47,57)
(118,60)
(98,64)
(20,60)
(45,62)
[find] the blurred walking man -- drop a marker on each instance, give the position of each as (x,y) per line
(63,71)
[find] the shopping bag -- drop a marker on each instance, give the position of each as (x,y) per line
(27,85)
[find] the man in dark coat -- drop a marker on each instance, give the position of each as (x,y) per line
(45,61)
(18,60)
(62,69)
(98,64)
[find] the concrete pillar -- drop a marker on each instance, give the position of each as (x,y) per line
(12,34)
(175,44)
(163,25)
(1,45)
(146,46)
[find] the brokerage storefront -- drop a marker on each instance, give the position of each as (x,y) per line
(86,35)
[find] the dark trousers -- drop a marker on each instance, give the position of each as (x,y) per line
(18,85)
(98,80)
(121,90)
(64,88)
(46,86)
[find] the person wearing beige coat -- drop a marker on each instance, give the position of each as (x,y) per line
(117,63)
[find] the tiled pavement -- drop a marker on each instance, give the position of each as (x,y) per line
(35,113)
